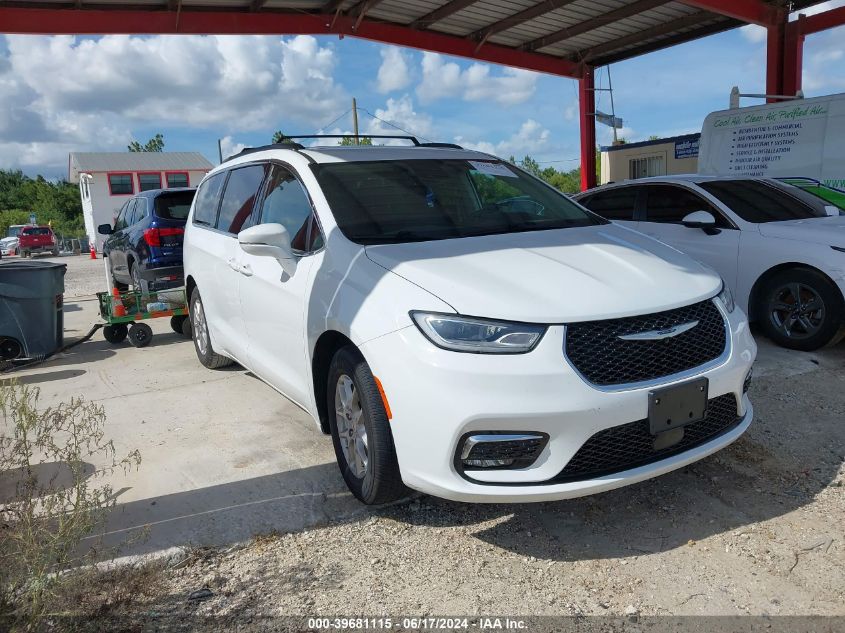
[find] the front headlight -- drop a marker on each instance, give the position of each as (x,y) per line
(727,298)
(479,336)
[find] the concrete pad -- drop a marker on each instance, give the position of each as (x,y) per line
(224,456)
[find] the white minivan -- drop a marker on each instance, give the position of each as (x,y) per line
(460,327)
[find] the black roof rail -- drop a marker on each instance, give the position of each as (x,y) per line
(413,139)
(446,145)
(263,148)
(290,144)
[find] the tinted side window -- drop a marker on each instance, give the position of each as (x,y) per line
(242,189)
(670,204)
(614,204)
(286,203)
(756,201)
(208,199)
(125,215)
(140,210)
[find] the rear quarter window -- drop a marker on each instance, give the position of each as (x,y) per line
(208,200)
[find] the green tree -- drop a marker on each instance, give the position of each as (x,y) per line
(531,166)
(350,140)
(155,144)
(54,202)
(279,137)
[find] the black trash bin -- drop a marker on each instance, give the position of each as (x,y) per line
(31,314)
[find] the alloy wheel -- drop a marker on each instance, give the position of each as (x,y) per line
(797,310)
(350,426)
(200,328)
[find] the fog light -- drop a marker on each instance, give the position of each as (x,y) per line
(746,384)
(502,450)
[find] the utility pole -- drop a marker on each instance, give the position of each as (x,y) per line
(219,150)
(355,119)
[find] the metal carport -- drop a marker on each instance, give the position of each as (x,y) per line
(569,38)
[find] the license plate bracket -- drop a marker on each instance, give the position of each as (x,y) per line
(678,405)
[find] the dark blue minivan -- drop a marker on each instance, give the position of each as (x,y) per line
(144,246)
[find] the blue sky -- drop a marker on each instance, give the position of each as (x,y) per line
(61,94)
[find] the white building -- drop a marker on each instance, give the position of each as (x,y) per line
(107,179)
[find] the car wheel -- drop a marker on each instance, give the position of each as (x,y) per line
(360,430)
(140,334)
(176,323)
(801,309)
(202,339)
(115,334)
(138,284)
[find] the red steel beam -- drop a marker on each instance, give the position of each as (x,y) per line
(822,21)
(750,11)
(587,116)
(120,21)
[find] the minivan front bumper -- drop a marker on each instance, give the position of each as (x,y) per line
(439,397)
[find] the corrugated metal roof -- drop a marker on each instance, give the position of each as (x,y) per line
(598,31)
(138,161)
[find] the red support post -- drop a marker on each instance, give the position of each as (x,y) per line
(774,59)
(587,118)
(793,57)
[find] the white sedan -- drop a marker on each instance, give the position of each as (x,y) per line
(8,246)
(780,249)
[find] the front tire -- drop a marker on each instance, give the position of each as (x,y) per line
(360,430)
(801,309)
(202,339)
(140,334)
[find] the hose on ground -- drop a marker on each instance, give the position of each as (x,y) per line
(31,362)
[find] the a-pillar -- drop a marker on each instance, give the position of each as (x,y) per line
(587,118)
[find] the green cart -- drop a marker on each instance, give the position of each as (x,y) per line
(125,313)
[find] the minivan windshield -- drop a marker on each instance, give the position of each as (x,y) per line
(758,201)
(174,205)
(390,202)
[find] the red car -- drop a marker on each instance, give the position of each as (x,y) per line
(37,239)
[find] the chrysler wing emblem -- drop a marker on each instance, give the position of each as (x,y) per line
(659,335)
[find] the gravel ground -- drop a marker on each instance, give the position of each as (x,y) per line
(756,529)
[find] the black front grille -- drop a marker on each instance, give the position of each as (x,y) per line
(595,349)
(630,445)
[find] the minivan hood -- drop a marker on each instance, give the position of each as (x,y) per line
(556,276)
(829,231)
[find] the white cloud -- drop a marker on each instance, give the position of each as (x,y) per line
(393,74)
(442,79)
(529,139)
(229,147)
(63,93)
(401,113)
(754,33)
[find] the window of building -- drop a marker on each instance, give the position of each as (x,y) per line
(121,184)
(208,199)
(238,203)
(646,167)
(178,179)
(614,204)
(286,203)
(149,180)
